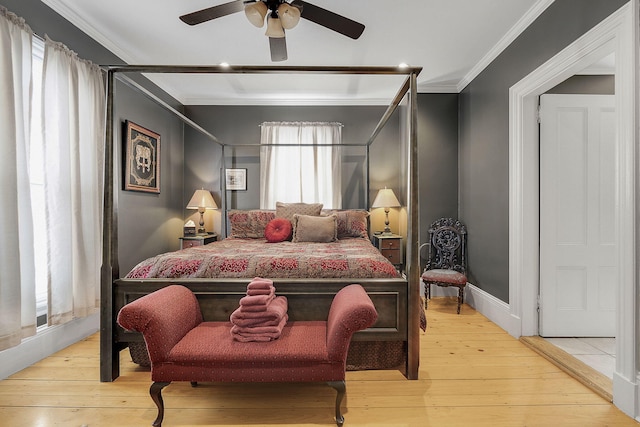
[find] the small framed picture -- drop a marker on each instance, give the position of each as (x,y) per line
(236,179)
(142,157)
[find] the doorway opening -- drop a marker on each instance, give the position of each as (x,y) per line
(615,34)
(578,251)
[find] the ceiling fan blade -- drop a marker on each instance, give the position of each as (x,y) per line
(329,19)
(214,12)
(278,48)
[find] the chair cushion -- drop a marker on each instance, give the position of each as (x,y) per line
(212,343)
(445,276)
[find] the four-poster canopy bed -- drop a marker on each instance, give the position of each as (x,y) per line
(397,297)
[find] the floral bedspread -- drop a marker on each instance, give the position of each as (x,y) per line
(247,258)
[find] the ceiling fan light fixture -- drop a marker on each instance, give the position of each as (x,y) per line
(274,28)
(256,12)
(289,15)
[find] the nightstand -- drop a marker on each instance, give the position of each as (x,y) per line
(390,245)
(191,241)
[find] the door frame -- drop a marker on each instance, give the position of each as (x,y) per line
(618,34)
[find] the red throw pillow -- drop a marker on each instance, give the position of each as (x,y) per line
(278,230)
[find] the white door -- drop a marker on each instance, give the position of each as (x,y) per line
(578,266)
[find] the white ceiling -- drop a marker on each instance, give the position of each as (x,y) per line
(452,40)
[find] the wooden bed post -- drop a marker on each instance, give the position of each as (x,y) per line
(413,272)
(223,194)
(109,354)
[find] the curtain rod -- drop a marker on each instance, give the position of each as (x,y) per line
(295,145)
(301,123)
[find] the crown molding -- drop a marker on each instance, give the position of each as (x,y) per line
(127,56)
(73,17)
(527,19)
(437,88)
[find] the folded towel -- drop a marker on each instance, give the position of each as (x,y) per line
(267,291)
(260,283)
(258,329)
(273,314)
(257,299)
(254,308)
(260,333)
(257,338)
(257,322)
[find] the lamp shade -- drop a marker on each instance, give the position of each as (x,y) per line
(289,15)
(386,199)
(202,199)
(256,12)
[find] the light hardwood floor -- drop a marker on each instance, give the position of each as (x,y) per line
(472,373)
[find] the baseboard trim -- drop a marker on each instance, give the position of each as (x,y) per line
(490,307)
(45,343)
(627,394)
(486,304)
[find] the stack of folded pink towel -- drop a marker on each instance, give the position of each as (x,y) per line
(261,315)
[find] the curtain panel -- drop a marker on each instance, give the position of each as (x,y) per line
(17,271)
(301,162)
(73,132)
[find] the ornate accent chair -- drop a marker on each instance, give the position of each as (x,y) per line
(446,260)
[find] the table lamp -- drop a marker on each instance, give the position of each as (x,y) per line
(202,200)
(386,199)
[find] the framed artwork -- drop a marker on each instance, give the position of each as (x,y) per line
(236,179)
(142,157)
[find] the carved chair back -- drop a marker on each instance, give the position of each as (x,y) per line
(447,249)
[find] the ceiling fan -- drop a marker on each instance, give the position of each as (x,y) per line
(280,15)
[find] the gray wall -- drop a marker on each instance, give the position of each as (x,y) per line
(235,125)
(586,84)
(148,224)
(437,152)
(437,160)
(484,134)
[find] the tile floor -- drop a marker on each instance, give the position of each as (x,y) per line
(599,353)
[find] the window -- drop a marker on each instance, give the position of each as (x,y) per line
(51,274)
(36,176)
(301,162)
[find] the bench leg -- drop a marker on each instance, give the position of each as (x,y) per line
(341,388)
(156,395)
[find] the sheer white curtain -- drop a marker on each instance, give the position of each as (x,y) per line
(73,131)
(300,162)
(17,277)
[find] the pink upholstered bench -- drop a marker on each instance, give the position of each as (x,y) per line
(184,348)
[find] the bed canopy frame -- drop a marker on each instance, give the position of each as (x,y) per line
(109,347)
